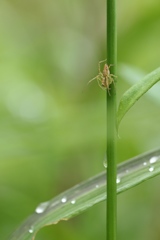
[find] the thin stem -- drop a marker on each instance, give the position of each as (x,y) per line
(111,124)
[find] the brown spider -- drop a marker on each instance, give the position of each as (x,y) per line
(104,78)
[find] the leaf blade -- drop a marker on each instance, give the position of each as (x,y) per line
(89,193)
(132,95)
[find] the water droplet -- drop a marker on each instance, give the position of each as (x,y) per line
(127,171)
(153,159)
(151,169)
(73,201)
(118,180)
(144,163)
(41,207)
(97,186)
(64,199)
(31,230)
(105,161)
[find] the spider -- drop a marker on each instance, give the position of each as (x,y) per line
(104,78)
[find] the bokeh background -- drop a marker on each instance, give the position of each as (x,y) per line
(52,124)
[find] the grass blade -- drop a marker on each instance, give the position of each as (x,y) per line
(130,97)
(88,193)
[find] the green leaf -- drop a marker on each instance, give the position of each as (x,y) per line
(83,196)
(130,97)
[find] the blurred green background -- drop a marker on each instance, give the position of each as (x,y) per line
(52,124)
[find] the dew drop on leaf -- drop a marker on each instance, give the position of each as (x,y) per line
(153,159)
(41,207)
(73,201)
(64,199)
(31,230)
(118,180)
(151,169)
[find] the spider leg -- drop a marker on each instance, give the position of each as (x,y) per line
(111,80)
(110,65)
(103,61)
(112,75)
(99,65)
(93,79)
(99,81)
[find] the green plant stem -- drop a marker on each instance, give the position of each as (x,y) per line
(111,124)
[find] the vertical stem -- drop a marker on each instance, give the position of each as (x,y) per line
(111,124)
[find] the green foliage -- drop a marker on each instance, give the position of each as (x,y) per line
(52,124)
